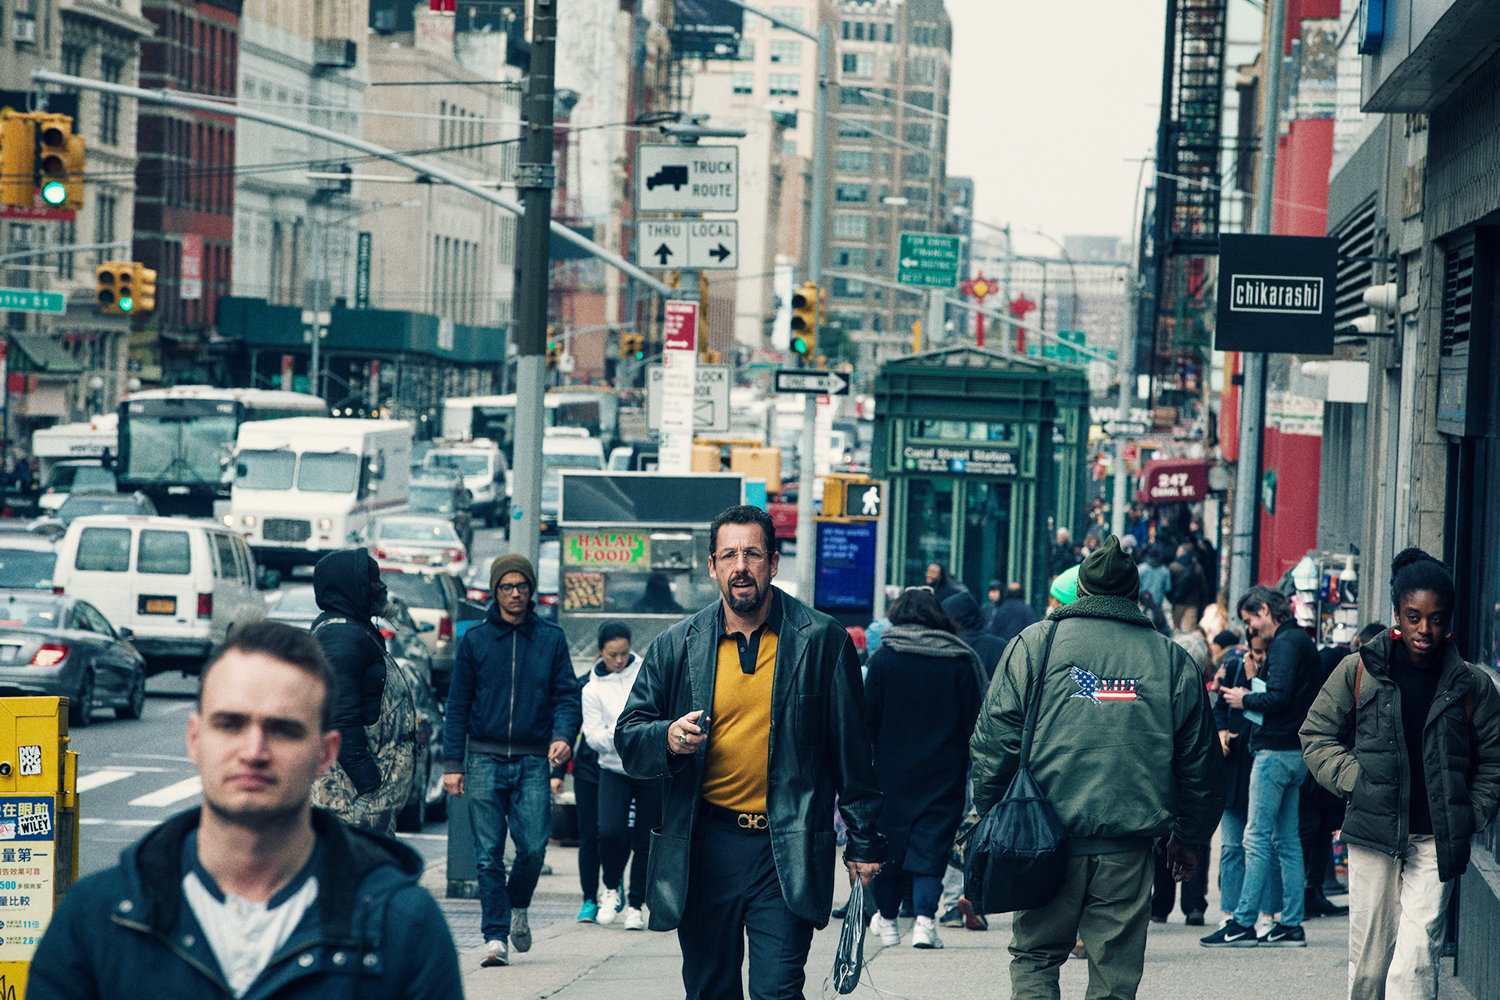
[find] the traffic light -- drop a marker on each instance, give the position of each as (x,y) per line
(145,289)
(59,161)
(805,320)
(633,346)
(17,160)
(115,287)
(554,349)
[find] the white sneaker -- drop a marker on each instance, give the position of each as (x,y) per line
(609,905)
(924,934)
(495,953)
(887,930)
(633,919)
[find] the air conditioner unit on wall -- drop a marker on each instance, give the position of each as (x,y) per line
(25,29)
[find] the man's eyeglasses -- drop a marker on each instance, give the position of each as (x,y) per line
(752,556)
(512,588)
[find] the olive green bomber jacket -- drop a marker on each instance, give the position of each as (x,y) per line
(1134,758)
(1359,753)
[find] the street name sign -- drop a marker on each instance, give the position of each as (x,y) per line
(710,398)
(928,259)
(687,178)
(695,244)
(812,383)
(1125,428)
(25,300)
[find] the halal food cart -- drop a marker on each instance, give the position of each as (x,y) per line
(634,548)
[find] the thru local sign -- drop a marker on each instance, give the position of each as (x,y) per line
(928,259)
(687,178)
(696,244)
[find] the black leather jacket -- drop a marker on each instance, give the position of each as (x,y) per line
(819,748)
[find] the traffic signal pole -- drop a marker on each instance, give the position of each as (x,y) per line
(807,557)
(535,178)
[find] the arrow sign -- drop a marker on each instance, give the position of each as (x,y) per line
(813,383)
(720,253)
(662,253)
(691,244)
(1125,428)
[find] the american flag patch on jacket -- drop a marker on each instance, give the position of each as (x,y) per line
(1101,689)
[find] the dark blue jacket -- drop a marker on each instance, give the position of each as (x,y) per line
(1293,674)
(513,690)
(373,933)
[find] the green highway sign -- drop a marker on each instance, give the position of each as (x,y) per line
(928,259)
(24,300)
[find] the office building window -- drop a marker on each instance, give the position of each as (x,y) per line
(743,83)
(851,96)
(915,195)
(848,288)
(852,193)
(855,161)
(785,84)
(746,51)
(790,15)
(859,63)
(854,128)
(110,71)
(786,53)
(850,225)
(856,257)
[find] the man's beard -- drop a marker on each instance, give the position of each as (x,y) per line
(746,605)
(389,608)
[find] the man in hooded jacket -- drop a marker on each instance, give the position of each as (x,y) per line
(964,611)
(1124,750)
(369,785)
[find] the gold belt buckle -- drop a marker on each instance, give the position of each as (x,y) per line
(752,821)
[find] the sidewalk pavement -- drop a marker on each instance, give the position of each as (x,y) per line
(573,961)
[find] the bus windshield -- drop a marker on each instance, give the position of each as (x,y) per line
(177,448)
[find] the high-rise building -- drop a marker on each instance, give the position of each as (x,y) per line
(888,141)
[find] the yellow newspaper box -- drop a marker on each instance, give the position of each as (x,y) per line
(38,828)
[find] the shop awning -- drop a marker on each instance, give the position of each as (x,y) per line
(38,353)
(1174,480)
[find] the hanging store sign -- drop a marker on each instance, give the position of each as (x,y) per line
(1276,294)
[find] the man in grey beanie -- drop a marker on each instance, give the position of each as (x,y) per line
(513,710)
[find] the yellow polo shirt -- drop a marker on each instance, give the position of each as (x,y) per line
(739,740)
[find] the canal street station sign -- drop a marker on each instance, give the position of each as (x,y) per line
(1276,294)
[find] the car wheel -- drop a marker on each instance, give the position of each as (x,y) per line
(135,703)
(81,704)
(413,816)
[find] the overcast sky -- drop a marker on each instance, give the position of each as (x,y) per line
(1053,105)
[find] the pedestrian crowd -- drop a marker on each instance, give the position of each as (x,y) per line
(716,771)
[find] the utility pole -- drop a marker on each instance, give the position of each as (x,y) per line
(807,556)
(1253,386)
(535,178)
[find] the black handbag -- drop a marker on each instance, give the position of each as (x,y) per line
(1019,854)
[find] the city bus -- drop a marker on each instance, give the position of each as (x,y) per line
(596,410)
(175,444)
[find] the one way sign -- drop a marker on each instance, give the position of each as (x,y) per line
(688,244)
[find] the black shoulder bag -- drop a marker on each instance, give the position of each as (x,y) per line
(1020,848)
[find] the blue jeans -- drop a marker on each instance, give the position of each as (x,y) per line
(1271,835)
(1232,867)
(503,792)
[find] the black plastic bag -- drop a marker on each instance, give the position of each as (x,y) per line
(1018,857)
(850,957)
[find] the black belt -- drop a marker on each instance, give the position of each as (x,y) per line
(750,822)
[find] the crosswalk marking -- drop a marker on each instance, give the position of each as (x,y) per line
(173,793)
(89,782)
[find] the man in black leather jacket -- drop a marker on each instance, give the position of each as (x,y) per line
(746,848)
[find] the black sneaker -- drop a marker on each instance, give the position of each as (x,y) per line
(1282,936)
(1233,935)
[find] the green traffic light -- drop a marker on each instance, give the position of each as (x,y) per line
(126,303)
(53,193)
(799,345)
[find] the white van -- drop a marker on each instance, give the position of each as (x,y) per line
(307,486)
(179,585)
(485,475)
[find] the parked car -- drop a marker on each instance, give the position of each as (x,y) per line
(85,504)
(68,478)
(435,599)
(179,585)
(59,646)
(448,499)
(297,606)
(420,540)
(426,800)
(27,561)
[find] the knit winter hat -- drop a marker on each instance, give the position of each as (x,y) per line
(1109,572)
(511,562)
(1065,586)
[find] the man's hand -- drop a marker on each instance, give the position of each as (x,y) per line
(1225,737)
(559,753)
(862,870)
(1182,862)
(453,783)
(685,736)
(1235,697)
(557,785)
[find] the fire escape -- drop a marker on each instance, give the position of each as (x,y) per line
(1187,203)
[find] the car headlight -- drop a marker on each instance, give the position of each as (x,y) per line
(248,520)
(325,524)
(228,520)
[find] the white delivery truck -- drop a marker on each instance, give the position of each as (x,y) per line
(307,486)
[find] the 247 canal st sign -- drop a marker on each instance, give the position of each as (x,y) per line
(1276,294)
